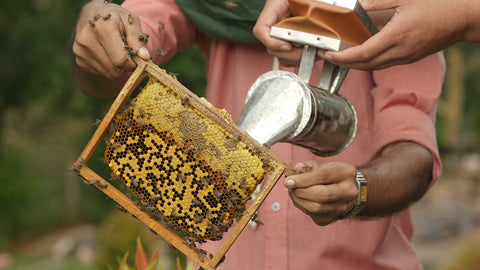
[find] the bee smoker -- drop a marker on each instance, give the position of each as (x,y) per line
(283,107)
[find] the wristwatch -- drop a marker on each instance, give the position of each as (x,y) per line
(361,198)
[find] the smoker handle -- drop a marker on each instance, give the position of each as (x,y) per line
(341,20)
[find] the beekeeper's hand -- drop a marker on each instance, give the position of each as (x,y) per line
(417,29)
(324,191)
(104,36)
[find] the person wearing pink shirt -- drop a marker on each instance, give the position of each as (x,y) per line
(304,217)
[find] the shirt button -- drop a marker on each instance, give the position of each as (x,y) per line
(276,206)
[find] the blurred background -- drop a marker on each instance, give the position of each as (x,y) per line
(50,219)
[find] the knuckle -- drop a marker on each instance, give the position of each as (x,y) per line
(352,193)
(119,60)
(76,50)
(316,209)
(82,37)
(81,64)
(256,31)
(328,195)
(351,170)
(365,56)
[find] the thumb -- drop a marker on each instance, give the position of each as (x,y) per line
(135,38)
(143,53)
(370,5)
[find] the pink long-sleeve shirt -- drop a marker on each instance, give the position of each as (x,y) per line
(395,104)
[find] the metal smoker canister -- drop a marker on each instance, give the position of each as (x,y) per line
(282,107)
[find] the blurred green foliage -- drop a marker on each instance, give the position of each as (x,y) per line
(45,121)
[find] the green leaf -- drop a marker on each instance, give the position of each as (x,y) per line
(124,263)
(153,265)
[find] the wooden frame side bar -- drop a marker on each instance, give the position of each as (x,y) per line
(238,228)
(120,100)
(131,207)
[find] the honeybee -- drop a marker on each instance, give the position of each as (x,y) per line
(255,219)
(195,203)
(174,75)
(218,193)
(181,177)
(185,101)
(174,214)
(94,181)
(190,242)
(209,218)
(204,181)
(115,145)
(197,232)
(97,123)
(115,177)
(102,185)
(144,114)
(187,150)
(197,217)
(161,52)
(77,166)
(224,174)
(143,38)
(121,208)
(124,39)
(130,19)
(133,182)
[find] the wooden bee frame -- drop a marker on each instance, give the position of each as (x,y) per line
(80,166)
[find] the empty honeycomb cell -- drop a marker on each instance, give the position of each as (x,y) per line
(176,159)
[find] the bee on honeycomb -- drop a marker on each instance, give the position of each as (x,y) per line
(174,158)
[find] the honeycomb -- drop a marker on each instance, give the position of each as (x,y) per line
(175,159)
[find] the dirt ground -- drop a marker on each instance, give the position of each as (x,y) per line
(447,219)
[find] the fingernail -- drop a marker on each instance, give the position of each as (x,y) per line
(289,183)
(143,53)
(327,56)
(299,165)
(285,47)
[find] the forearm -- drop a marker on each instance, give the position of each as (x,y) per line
(397,178)
(472,33)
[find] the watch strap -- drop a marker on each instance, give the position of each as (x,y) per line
(361,200)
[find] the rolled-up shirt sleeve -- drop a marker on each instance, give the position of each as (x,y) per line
(169,28)
(405,103)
